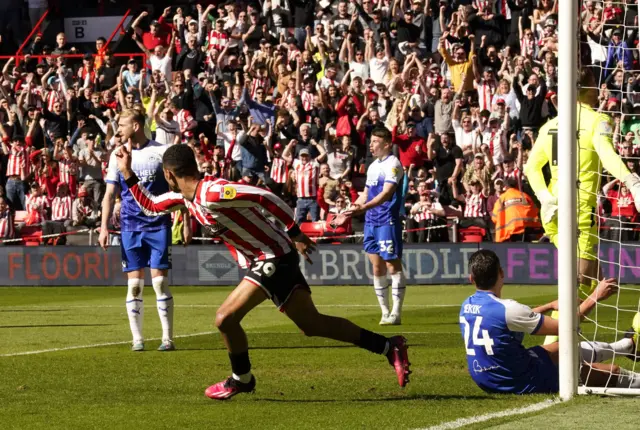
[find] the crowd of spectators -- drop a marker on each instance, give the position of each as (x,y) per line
(286,94)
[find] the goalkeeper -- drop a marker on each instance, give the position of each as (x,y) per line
(595,151)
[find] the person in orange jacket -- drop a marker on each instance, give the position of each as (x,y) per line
(514,214)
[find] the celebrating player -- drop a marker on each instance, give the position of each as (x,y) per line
(381,200)
(145,239)
(493,329)
(595,147)
(239,215)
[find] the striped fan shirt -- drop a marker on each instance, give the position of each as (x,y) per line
(68,169)
(238,214)
(185,120)
(486,90)
(279,170)
(61,208)
(17,164)
(218,40)
(515,174)
(476,206)
(424,214)
(306,178)
(37,205)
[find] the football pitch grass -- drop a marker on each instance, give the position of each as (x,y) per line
(65,363)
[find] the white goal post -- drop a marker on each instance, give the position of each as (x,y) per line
(569,16)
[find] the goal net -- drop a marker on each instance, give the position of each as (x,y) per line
(608,36)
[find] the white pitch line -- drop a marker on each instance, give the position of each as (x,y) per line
(96,345)
(462,422)
(62,307)
(204,333)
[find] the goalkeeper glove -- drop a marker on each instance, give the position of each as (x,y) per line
(632,182)
(548,206)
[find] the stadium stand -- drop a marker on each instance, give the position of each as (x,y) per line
(463,85)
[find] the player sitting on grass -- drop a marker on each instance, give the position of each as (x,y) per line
(239,214)
(493,329)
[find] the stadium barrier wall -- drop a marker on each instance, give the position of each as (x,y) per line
(426,264)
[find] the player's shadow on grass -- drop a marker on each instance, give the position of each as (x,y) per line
(283,347)
(411,397)
(54,325)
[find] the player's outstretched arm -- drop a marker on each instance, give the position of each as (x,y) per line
(603,291)
(151,205)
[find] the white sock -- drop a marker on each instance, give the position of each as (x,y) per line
(628,379)
(598,352)
(244,378)
(381,286)
(135,307)
(398,288)
(164,301)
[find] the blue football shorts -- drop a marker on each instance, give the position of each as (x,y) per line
(142,249)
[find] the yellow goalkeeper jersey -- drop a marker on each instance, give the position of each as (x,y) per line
(595,151)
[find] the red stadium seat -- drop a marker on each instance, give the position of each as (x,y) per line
(471,234)
(340,230)
(313,229)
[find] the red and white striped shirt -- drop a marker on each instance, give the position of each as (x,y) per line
(527,47)
(68,169)
(236,213)
(486,90)
(53,97)
(476,206)
(307,100)
(279,170)
(306,178)
(218,40)
(185,120)
(37,205)
(514,174)
(7,230)
(17,164)
(424,213)
(61,209)
(264,83)
(481,4)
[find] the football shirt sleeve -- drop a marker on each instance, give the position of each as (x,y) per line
(393,172)
(521,318)
(112,170)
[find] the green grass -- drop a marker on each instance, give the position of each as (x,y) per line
(302,382)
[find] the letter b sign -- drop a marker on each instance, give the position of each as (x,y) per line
(79,32)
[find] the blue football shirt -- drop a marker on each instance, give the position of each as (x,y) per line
(146,162)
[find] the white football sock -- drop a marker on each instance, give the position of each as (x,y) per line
(381,286)
(398,288)
(244,378)
(628,379)
(135,307)
(598,352)
(164,301)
